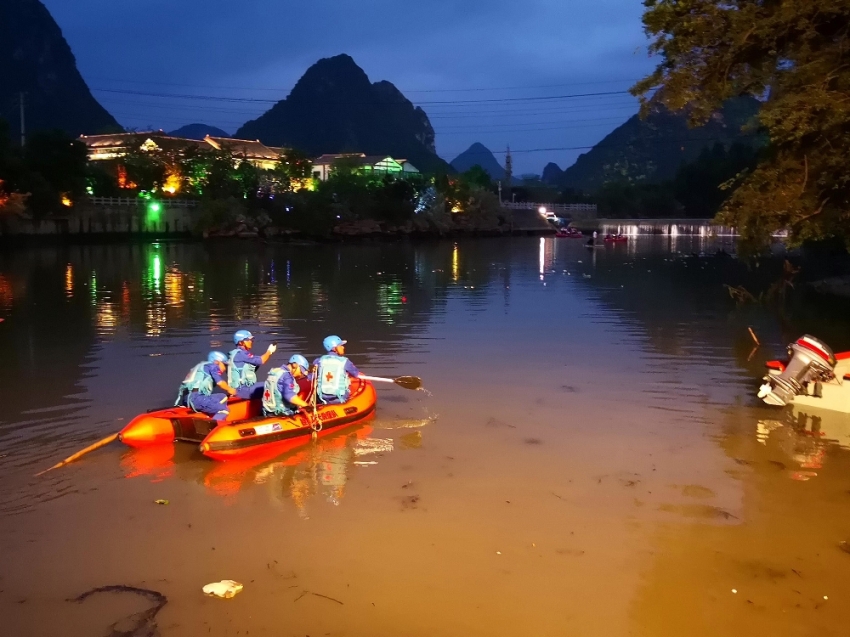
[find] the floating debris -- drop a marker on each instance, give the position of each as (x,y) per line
(160,502)
(226,589)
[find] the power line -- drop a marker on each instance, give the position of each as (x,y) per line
(435,116)
(579,123)
(403,90)
(269,101)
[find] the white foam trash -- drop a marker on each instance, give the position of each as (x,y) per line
(226,588)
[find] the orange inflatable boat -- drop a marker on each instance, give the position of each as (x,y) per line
(247,430)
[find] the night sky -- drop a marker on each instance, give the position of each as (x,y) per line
(453,52)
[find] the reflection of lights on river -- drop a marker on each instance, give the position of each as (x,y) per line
(157,272)
(455,264)
(173,287)
(268,307)
(155,319)
(542,257)
(389,301)
(547,255)
(318,297)
(5,292)
(69,281)
(93,290)
(125,300)
(106,317)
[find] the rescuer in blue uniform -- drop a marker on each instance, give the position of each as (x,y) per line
(197,389)
(242,366)
(335,372)
(283,386)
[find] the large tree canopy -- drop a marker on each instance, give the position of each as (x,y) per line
(794,55)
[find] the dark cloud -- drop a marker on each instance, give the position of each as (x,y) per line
(259,48)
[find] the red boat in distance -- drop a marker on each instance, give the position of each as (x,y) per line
(569,233)
(615,238)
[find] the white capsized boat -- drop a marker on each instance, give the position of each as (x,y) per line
(812,377)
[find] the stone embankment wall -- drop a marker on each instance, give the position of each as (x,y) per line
(105,218)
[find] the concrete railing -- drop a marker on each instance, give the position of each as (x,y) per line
(136,201)
(552,207)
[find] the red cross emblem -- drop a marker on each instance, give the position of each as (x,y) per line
(329,377)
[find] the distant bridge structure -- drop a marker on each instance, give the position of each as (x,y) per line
(568,210)
(670,227)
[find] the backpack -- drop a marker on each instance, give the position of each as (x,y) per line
(197,379)
(273,403)
(240,376)
(333,379)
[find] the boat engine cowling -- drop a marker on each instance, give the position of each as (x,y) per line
(810,360)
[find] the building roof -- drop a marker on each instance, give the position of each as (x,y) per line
(330,158)
(124,141)
(243,147)
(377,159)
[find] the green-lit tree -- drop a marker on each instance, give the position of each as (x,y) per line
(477,176)
(791,54)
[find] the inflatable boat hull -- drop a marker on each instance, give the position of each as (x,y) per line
(246,431)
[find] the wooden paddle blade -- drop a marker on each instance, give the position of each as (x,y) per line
(408,382)
(80,454)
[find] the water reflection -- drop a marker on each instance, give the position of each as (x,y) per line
(69,281)
(805,438)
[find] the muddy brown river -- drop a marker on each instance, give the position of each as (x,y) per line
(591,460)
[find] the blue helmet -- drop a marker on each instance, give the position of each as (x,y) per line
(242,335)
(300,361)
(216,357)
(332,342)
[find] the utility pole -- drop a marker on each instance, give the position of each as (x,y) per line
(23,125)
(509,168)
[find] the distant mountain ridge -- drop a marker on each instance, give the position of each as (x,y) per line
(652,150)
(552,174)
(198,131)
(35,59)
(479,155)
(334,108)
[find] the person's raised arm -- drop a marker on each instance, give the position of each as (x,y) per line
(271,350)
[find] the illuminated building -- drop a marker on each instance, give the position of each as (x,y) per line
(253,152)
(119,145)
(366,164)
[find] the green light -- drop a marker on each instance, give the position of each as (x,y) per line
(154,213)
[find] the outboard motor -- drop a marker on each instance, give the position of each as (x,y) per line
(811,360)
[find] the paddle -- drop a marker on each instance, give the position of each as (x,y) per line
(80,454)
(408,382)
